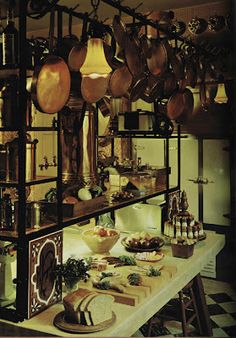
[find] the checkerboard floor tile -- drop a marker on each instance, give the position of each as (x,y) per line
(222,310)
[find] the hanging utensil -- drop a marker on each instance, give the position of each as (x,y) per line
(119,30)
(175,104)
(153,90)
(51,80)
(158,61)
(188,106)
(120,81)
(93,90)
(133,55)
(68,41)
(78,53)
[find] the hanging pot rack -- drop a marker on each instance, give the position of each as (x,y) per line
(138,20)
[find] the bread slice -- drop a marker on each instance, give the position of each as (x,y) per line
(100,308)
(82,310)
(71,304)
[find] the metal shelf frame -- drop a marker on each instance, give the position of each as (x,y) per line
(23,237)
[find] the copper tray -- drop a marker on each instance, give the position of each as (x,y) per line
(134,249)
(61,323)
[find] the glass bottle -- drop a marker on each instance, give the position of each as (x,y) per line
(10,41)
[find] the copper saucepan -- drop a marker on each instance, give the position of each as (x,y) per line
(51,80)
(157,63)
(119,30)
(78,53)
(68,41)
(175,104)
(134,57)
(93,90)
(120,81)
(188,106)
(153,90)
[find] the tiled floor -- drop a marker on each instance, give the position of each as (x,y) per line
(221,301)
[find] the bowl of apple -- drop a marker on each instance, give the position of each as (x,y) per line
(100,239)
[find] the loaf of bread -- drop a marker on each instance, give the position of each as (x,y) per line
(87,307)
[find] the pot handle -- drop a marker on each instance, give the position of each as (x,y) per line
(51,30)
(81,120)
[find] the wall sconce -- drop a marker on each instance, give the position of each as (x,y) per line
(95,64)
(221,96)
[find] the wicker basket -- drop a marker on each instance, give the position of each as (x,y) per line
(182,251)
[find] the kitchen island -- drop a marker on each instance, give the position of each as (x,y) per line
(130,318)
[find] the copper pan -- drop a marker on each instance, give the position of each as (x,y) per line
(207,94)
(78,53)
(120,81)
(145,44)
(68,41)
(110,49)
(175,61)
(188,106)
(93,90)
(170,84)
(133,55)
(153,90)
(137,87)
(157,63)
(175,104)
(51,80)
(119,31)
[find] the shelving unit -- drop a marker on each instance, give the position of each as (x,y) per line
(83,211)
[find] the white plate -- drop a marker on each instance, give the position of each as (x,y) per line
(149,256)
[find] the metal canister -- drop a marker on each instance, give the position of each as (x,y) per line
(12,160)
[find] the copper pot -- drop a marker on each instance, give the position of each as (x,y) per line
(51,81)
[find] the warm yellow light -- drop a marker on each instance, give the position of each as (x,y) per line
(95,64)
(221,96)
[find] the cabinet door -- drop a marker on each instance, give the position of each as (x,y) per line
(216,168)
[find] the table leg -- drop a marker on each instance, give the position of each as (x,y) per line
(202,306)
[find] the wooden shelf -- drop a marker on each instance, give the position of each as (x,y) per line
(38,180)
(84,210)
(5,72)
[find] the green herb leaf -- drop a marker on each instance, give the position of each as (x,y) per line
(128,260)
(103,285)
(152,272)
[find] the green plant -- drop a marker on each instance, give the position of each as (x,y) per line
(72,271)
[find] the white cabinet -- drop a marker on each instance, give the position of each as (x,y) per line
(216,167)
(214,160)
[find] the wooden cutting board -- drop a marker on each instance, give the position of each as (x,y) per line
(133,294)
